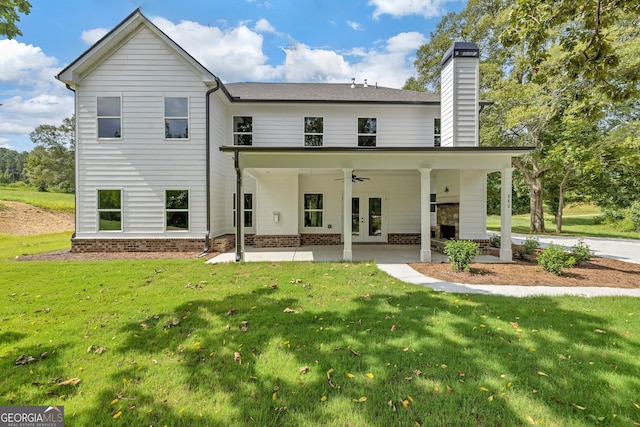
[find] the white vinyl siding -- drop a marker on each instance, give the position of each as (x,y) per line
(459,98)
(473,204)
(144,71)
(280,126)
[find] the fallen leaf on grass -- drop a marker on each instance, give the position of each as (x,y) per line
(303,370)
(117,415)
(530,420)
(582,408)
(361,400)
(636,405)
(393,328)
(542,373)
(370,375)
(599,331)
(350,376)
(355,353)
(237,357)
(232,312)
(562,357)
(72,381)
(323,399)
(288,310)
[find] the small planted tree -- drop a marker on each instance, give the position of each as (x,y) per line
(461,253)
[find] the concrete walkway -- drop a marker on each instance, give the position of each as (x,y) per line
(393,260)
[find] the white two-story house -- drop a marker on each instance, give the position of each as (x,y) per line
(164,148)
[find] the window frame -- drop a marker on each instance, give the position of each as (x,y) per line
(437,136)
(100,210)
(306,210)
(168,210)
(108,117)
(166,118)
(311,135)
(362,136)
(245,210)
(237,134)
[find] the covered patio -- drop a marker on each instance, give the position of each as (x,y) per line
(378,253)
(276,168)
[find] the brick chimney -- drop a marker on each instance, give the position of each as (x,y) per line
(459,104)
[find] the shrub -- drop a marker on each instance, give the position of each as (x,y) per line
(554,259)
(634,215)
(581,252)
(494,241)
(531,243)
(461,253)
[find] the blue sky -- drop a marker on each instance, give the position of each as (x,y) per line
(237,40)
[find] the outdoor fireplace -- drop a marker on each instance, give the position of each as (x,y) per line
(447,232)
(447,220)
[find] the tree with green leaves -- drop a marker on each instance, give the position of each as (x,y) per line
(51,165)
(10,11)
(540,103)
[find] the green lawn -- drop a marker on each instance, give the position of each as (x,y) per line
(578,220)
(178,342)
(57,202)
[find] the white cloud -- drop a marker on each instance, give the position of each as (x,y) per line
(231,54)
(264,26)
(92,36)
(303,64)
(354,25)
(19,61)
(30,95)
(397,8)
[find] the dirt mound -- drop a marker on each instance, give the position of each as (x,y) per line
(24,219)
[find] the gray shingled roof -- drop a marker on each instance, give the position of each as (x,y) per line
(325,92)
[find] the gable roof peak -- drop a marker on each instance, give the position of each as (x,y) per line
(71,75)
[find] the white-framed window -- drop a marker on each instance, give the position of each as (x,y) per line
(109,113)
(313,210)
(436,132)
(176,117)
(242,130)
(367,131)
(313,131)
(432,203)
(247,210)
(177,210)
(110,210)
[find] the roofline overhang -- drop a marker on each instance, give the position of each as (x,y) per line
(513,151)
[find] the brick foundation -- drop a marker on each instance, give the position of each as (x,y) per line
(279,241)
(320,239)
(136,245)
(485,245)
(404,238)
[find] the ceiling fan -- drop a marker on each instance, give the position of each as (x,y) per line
(355,178)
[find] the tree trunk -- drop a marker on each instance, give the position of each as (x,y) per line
(563,186)
(537,214)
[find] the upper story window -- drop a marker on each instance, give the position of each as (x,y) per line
(436,132)
(176,118)
(313,131)
(110,210)
(109,117)
(177,210)
(367,130)
(242,130)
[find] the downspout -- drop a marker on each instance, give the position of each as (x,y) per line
(239,205)
(75,162)
(205,250)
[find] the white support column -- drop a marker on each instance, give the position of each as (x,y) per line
(425,215)
(347,254)
(505,215)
